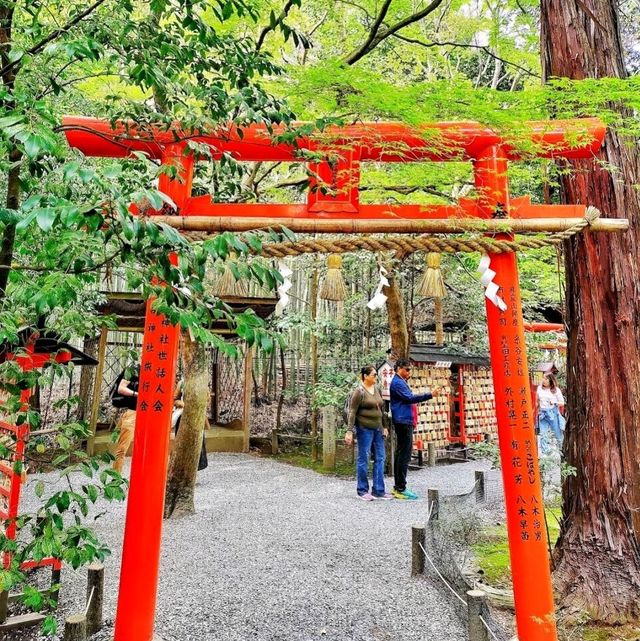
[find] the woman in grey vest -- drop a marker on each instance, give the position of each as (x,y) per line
(366,411)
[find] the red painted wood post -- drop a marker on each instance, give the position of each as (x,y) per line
(135,614)
(521,476)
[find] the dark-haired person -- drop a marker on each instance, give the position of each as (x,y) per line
(403,401)
(127,388)
(549,400)
(365,417)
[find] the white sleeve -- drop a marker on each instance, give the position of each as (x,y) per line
(559,397)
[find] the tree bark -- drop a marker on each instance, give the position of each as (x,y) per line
(397,317)
(283,389)
(86,380)
(598,552)
(183,467)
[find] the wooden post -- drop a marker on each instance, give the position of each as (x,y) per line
(329,437)
(75,628)
(313,312)
(533,595)
(418,538)
(433,504)
(248,368)
(274,441)
(481,486)
(476,607)
(431,451)
(95,595)
(97,390)
(4,605)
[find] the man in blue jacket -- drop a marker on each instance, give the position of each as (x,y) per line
(402,414)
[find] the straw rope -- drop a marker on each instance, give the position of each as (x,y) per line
(425,243)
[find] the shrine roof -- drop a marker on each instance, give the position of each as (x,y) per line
(129,309)
(433,354)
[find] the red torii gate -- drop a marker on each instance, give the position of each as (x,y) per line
(340,211)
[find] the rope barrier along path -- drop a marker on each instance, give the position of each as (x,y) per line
(409,244)
(426,556)
(489,630)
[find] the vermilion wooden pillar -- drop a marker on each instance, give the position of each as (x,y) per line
(521,476)
(145,508)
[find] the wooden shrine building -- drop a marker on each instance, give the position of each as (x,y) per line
(228,416)
(467,413)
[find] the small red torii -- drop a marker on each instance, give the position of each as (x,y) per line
(339,210)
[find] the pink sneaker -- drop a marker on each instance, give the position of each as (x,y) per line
(383,497)
(366,497)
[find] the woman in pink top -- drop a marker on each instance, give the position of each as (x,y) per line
(549,400)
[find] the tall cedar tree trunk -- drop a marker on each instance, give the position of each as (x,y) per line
(184,459)
(598,552)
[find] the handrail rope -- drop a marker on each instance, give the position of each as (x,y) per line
(89,600)
(440,575)
(489,630)
(444,497)
(425,243)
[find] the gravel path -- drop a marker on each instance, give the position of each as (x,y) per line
(281,553)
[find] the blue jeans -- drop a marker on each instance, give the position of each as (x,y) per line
(550,420)
(368,438)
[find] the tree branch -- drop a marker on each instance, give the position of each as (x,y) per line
(376,36)
(53,35)
(357,6)
(72,81)
(399,189)
(85,270)
(461,45)
(281,18)
(408,189)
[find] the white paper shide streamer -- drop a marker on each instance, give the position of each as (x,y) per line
(486,278)
(283,289)
(379,299)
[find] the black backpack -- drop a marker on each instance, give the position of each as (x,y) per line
(118,400)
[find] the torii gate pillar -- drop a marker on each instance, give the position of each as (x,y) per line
(137,595)
(529,556)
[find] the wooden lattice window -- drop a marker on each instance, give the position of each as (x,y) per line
(228,378)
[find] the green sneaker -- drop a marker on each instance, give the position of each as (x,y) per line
(406,495)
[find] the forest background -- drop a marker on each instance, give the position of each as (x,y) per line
(207,63)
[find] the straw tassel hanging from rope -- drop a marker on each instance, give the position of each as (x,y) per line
(431,285)
(227,284)
(333,287)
